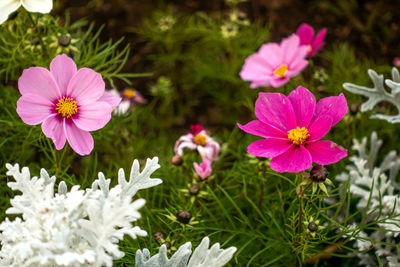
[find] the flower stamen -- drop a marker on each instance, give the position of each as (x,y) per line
(129,93)
(281,71)
(298,136)
(200,140)
(66,107)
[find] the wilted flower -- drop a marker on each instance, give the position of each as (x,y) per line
(229,30)
(9,6)
(274,64)
(204,169)
(68,102)
(306,35)
(129,98)
(292,127)
(197,139)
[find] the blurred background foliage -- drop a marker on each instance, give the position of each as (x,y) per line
(189,54)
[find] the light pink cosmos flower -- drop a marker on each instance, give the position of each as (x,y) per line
(198,140)
(292,127)
(129,98)
(306,35)
(68,102)
(204,169)
(274,64)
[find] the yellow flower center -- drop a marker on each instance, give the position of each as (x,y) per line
(66,107)
(281,71)
(129,93)
(298,136)
(200,140)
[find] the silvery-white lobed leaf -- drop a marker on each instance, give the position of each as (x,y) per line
(203,256)
(71,228)
(369,183)
(379,94)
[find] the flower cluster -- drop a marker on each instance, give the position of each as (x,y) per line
(75,228)
(274,64)
(197,139)
(292,127)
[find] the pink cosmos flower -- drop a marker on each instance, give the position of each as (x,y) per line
(198,139)
(129,98)
(68,102)
(306,35)
(292,127)
(274,64)
(204,169)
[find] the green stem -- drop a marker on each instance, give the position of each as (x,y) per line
(34,24)
(300,221)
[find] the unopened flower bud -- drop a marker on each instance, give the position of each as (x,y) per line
(167,244)
(184,216)
(318,173)
(312,226)
(194,189)
(176,160)
(64,40)
(354,108)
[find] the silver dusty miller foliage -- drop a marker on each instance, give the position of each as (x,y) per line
(75,228)
(203,256)
(379,94)
(378,194)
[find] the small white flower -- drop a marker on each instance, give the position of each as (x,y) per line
(9,6)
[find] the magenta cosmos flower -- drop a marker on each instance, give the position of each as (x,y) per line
(306,35)
(292,127)
(274,64)
(203,169)
(68,102)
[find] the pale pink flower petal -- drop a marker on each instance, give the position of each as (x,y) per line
(63,68)
(333,106)
(80,141)
(7,7)
(272,52)
(86,86)
(303,102)
(259,128)
(326,152)
(296,159)
(319,128)
(287,48)
(305,33)
(41,6)
(276,110)
(111,98)
(33,109)
(204,169)
(210,150)
(278,82)
(39,81)
(93,116)
(255,67)
(269,148)
(53,127)
(183,145)
(297,67)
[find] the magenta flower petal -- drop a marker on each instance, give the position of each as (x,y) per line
(93,116)
(34,109)
(86,86)
(303,102)
(276,110)
(296,159)
(318,42)
(305,33)
(259,128)
(80,141)
(326,152)
(63,68)
(320,127)
(111,99)
(53,127)
(268,148)
(333,106)
(38,81)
